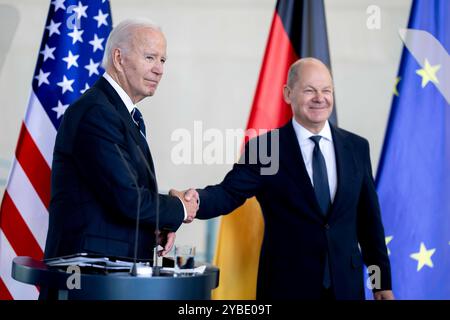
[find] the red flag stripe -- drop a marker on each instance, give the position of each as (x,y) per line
(28,203)
(17,231)
(34,165)
(4,292)
(269,109)
(40,127)
(16,289)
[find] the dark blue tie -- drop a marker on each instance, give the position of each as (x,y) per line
(320,177)
(322,191)
(138,120)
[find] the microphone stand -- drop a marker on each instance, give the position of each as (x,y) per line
(156,268)
(134,271)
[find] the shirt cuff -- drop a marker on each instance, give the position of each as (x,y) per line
(184,209)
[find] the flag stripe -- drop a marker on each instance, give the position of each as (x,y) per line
(4,292)
(17,231)
(277,60)
(305,25)
(40,128)
(16,289)
(34,165)
(311,38)
(28,203)
(290,13)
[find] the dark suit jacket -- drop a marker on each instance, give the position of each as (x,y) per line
(94,199)
(297,236)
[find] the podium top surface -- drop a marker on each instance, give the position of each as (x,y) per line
(117,285)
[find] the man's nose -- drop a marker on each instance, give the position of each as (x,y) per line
(318,97)
(158,68)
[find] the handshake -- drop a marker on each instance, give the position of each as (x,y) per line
(191,201)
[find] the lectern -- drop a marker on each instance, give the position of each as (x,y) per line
(117,285)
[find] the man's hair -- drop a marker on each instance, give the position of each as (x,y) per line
(293,74)
(121,36)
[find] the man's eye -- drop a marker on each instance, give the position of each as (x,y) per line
(150,58)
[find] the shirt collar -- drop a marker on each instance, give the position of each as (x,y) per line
(304,134)
(122,94)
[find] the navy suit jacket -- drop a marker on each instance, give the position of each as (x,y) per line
(297,235)
(94,198)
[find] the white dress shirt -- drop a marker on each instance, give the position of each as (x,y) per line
(130,106)
(326,147)
(122,94)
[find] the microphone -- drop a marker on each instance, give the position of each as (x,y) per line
(134,271)
(155,252)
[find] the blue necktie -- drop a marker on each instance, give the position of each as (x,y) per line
(322,191)
(138,120)
(320,177)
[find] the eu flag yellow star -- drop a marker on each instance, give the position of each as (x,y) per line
(387,240)
(428,73)
(423,257)
(397,80)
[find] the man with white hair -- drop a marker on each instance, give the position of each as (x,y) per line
(102,173)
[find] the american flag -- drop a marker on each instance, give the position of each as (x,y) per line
(69,62)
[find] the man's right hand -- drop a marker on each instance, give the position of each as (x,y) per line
(190,200)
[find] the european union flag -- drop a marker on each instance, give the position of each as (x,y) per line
(413,180)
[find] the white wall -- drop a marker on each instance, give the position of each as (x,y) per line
(365,64)
(215,49)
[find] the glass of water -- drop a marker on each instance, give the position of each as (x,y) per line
(184,258)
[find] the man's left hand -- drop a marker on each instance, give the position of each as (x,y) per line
(166,240)
(384,295)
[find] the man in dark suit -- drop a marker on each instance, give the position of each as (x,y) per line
(321,212)
(100,175)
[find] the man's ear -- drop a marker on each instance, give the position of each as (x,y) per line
(286,94)
(117,59)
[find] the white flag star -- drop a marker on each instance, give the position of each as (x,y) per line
(76,35)
(66,84)
(86,86)
(71,60)
(53,27)
(48,52)
(60,109)
(59,4)
(101,18)
(80,10)
(96,43)
(42,77)
(92,67)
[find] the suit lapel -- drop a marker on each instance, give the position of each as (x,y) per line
(116,101)
(346,170)
(292,160)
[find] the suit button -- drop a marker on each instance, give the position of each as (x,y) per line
(327,226)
